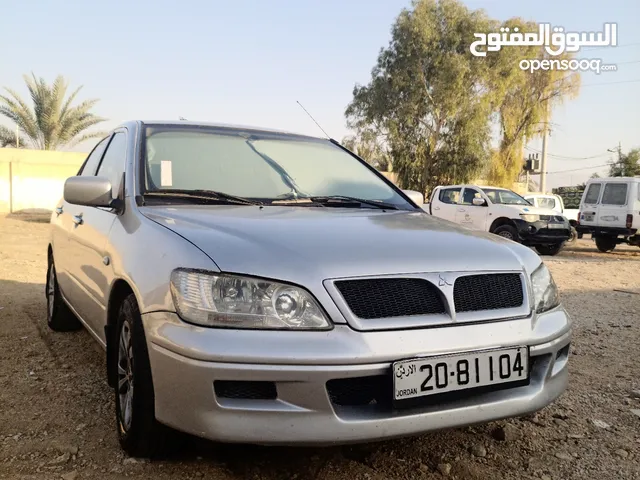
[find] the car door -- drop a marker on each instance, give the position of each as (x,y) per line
(90,264)
(469,215)
(444,206)
(612,211)
(589,206)
(62,226)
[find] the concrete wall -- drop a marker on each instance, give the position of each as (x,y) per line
(34,179)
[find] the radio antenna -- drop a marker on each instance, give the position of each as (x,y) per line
(314,120)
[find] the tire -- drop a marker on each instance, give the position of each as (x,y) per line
(60,318)
(507,231)
(139,433)
(549,249)
(606,244)
(574,235)
(580,235)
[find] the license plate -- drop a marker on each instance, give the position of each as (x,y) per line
(433,375)
(556,225)
(587,218)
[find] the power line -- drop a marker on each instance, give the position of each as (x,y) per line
(590,49)
(583,168)
(565,157)
(611,83)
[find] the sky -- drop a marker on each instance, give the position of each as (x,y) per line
(249,61)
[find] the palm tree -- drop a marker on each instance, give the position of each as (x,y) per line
(53,122)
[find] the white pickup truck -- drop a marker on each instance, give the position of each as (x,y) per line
(503,212)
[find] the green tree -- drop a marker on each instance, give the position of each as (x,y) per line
(8,138)
(370,148)
(52,122)
(434,104)
(524,100)
(627,166)
(427,98)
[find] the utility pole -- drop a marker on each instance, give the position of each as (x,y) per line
(543,163)
(619,149)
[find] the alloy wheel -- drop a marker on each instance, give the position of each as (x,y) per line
(125,376)
(51,292)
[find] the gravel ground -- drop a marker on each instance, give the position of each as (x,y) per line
(57,413)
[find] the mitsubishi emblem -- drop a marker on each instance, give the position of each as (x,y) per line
(442,281)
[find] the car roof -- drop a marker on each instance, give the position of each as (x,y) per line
(475,186)
(614,179)
(258,130)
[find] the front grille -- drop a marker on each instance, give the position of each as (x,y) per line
(554,218)
(488,292)
(360,391)
(245,390)
(391,297)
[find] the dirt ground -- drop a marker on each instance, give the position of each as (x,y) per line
(57,413)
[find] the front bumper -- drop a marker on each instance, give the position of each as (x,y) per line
(543,232)
(608,231)
(306,369)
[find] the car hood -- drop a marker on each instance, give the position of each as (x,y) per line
(532,209)
(291,243)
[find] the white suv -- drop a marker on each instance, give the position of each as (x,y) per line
(610,211)
(503,212)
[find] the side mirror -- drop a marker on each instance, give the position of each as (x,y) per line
(479,202)
(417,197)
(90,191)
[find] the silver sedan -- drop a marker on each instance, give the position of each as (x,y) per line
(266,287)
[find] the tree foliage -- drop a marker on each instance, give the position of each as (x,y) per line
(628,164)
(52,121)
(432,105)
(8,138)
(368,146)
(524,101)
(426,99)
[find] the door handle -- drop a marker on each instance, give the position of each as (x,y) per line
(436,208)
(461,210)
(58,211)
(77,219)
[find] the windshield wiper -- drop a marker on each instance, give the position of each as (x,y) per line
(209,195)
(343,200)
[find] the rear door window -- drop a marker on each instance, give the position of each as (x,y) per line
(614,194)
(593,193)
(450,195)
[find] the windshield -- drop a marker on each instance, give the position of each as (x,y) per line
(504,197)
(256,165)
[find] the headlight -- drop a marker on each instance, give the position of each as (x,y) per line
(219,300)
(529,217)
(545,291)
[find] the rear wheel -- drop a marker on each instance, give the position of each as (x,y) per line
(606,244)
(59,317)
(507,231)
(574,235)
(549,249)
(140,434)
